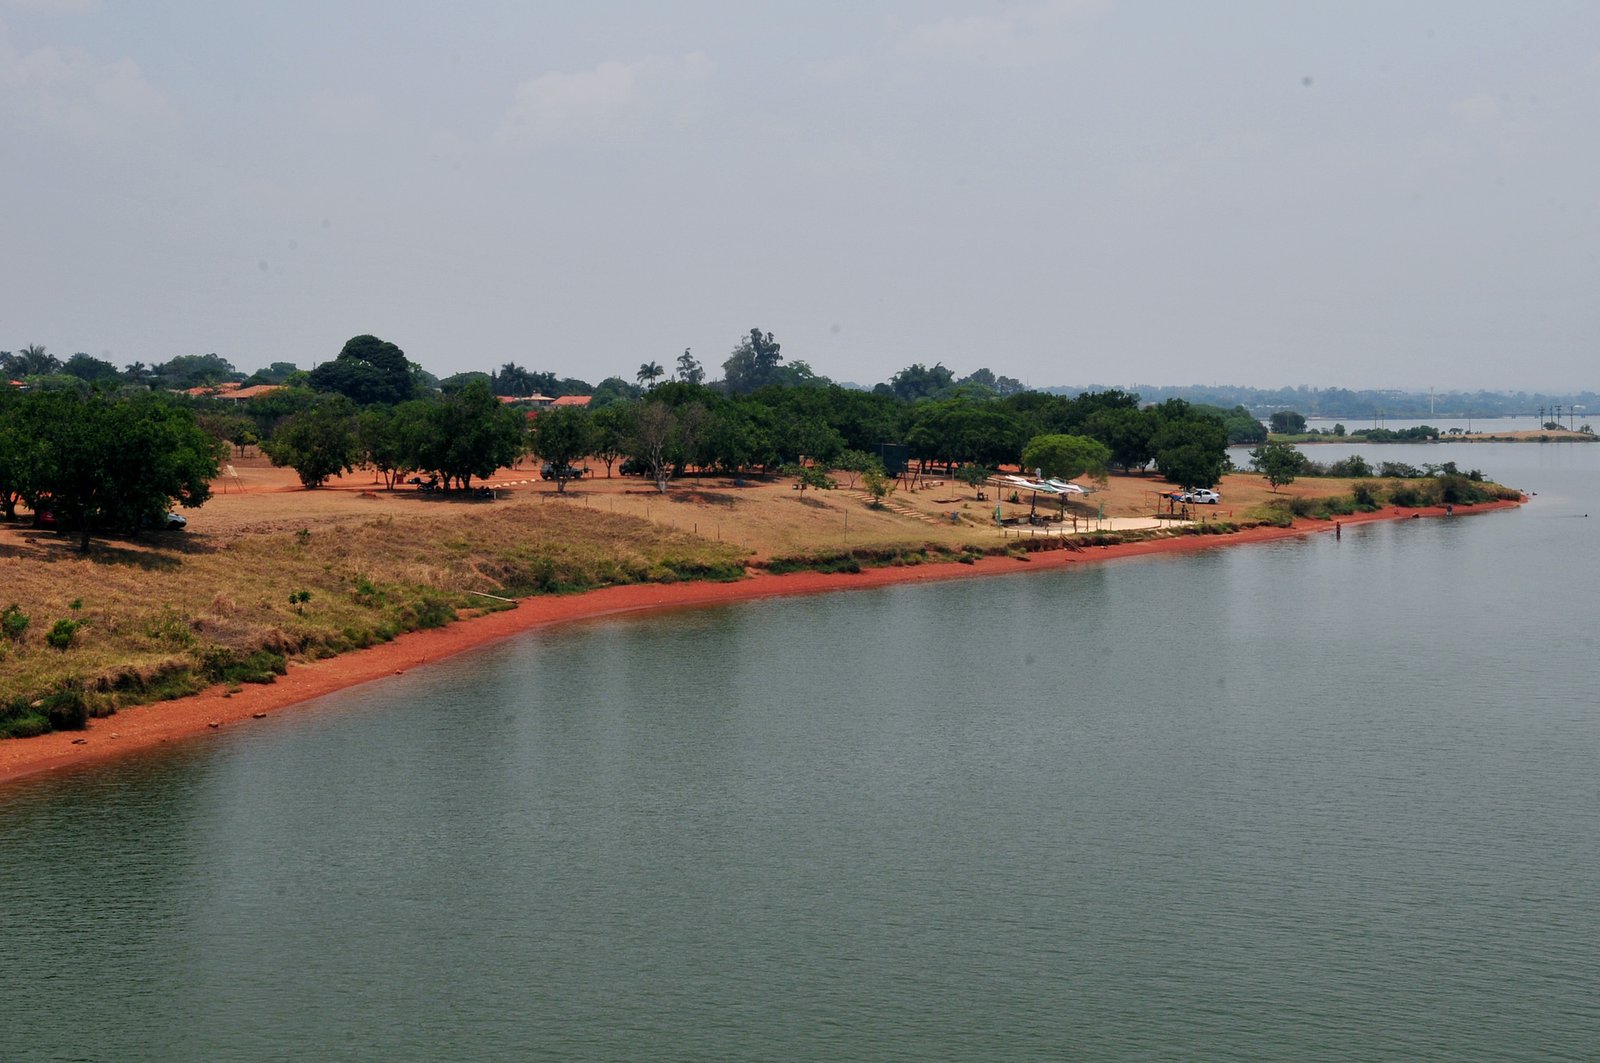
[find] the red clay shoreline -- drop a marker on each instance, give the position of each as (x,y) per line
(213,711)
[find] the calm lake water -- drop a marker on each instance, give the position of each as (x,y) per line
(1307,800)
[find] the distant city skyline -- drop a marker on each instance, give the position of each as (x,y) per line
(1360,195)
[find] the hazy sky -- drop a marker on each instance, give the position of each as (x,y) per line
(1348,194)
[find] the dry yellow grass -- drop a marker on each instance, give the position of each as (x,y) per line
(206,600)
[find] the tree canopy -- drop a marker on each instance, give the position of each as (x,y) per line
(367,370)
(1190,450)
(101,464)
(1287,423)
(1063,457)
(757,363)
(563,435)
(32,360)
(318,442)
(1279,462)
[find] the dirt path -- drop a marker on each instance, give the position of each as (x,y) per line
(215,710)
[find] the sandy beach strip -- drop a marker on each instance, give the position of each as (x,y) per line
(215,710)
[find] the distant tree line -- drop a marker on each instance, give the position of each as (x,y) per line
(678,427)
(371,407)
(757,362)
(1369,406)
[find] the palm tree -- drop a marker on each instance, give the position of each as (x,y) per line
(649,373)
(32,360)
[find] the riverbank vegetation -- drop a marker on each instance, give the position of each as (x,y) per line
(144,616)
(160,620)
(1371,494)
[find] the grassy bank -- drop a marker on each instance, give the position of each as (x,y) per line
(1368,495)
(135,622)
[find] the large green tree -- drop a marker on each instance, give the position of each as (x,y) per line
(1279,462)
(513,379)
(1191,451)
(95,370)
(563,436)
(101,464)
(16,441)
(473,434)
(614,389)
(192,371)
(1063,457)
(32,360)
(690,371)
(380,444)
(917,381)
(318,442)
(610,430)
(753,364)
(367,371)
(654,440)
(1126,432)
(1288,423)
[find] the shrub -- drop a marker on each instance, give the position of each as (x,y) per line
(1456,490)
(60,635)
(168,625)
(1278,513)
(1410,496)
(431,611)
(1354,466)
(13,622)
(26,725)
(1365,497)
(221,665)
(66,710)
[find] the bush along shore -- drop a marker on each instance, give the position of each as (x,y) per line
(1372,495)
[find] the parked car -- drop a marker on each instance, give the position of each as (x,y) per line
(548,471)
(162,520)
(1198,496)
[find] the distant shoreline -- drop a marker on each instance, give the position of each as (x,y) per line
(1533,435)
(166,724)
